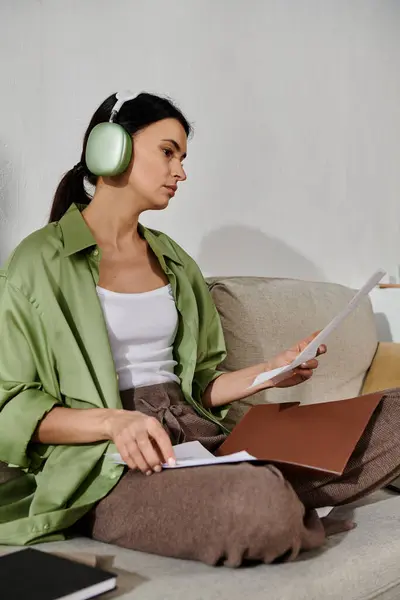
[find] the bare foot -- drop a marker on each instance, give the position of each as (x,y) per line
(333,526)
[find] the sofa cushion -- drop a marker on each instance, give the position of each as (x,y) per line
(360,565)
(262,317)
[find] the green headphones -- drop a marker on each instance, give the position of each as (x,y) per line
(109,145)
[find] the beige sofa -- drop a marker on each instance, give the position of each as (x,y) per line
(261,317)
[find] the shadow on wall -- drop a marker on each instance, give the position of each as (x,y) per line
(6,177)
(241,250)
(383,328)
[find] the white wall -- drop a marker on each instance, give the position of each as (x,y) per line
(294,169)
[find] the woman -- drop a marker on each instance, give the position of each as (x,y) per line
(111,342)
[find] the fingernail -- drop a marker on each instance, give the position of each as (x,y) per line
(148,473)
(171,462)
(157,468)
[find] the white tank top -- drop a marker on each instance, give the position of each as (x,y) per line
(142,329)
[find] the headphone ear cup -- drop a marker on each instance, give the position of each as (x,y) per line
(108,150)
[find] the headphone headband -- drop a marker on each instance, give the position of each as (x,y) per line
(122,97)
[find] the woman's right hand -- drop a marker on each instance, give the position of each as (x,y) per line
(141,440)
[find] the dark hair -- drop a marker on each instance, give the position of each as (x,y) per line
(134,116)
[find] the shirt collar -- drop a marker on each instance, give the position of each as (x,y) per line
(77,235)
(159,244)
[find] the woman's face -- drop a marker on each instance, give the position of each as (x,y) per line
(156,169)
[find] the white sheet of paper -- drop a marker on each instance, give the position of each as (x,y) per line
(215,460)
(324,511)
(193,454)
(191,451)
(311,350)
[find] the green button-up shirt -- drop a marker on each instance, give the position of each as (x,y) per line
(54,350)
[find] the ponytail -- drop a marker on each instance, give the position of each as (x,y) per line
(70,189)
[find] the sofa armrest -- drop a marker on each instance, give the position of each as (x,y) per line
(384,372)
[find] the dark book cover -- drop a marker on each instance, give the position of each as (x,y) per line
(36,575)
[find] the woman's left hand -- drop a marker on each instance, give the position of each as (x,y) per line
(301,373)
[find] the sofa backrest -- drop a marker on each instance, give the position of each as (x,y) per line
(261,317)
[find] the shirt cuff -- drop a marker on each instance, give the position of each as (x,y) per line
(25,412)
(201,381)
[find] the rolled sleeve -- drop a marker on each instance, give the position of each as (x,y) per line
(211,356)
(23,366)
(202,379)
(19,420)
(200,383)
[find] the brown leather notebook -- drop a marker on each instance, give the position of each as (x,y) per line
(320,437)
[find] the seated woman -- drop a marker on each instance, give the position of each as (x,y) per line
(110,341)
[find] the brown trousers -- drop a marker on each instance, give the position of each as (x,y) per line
(234,513)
